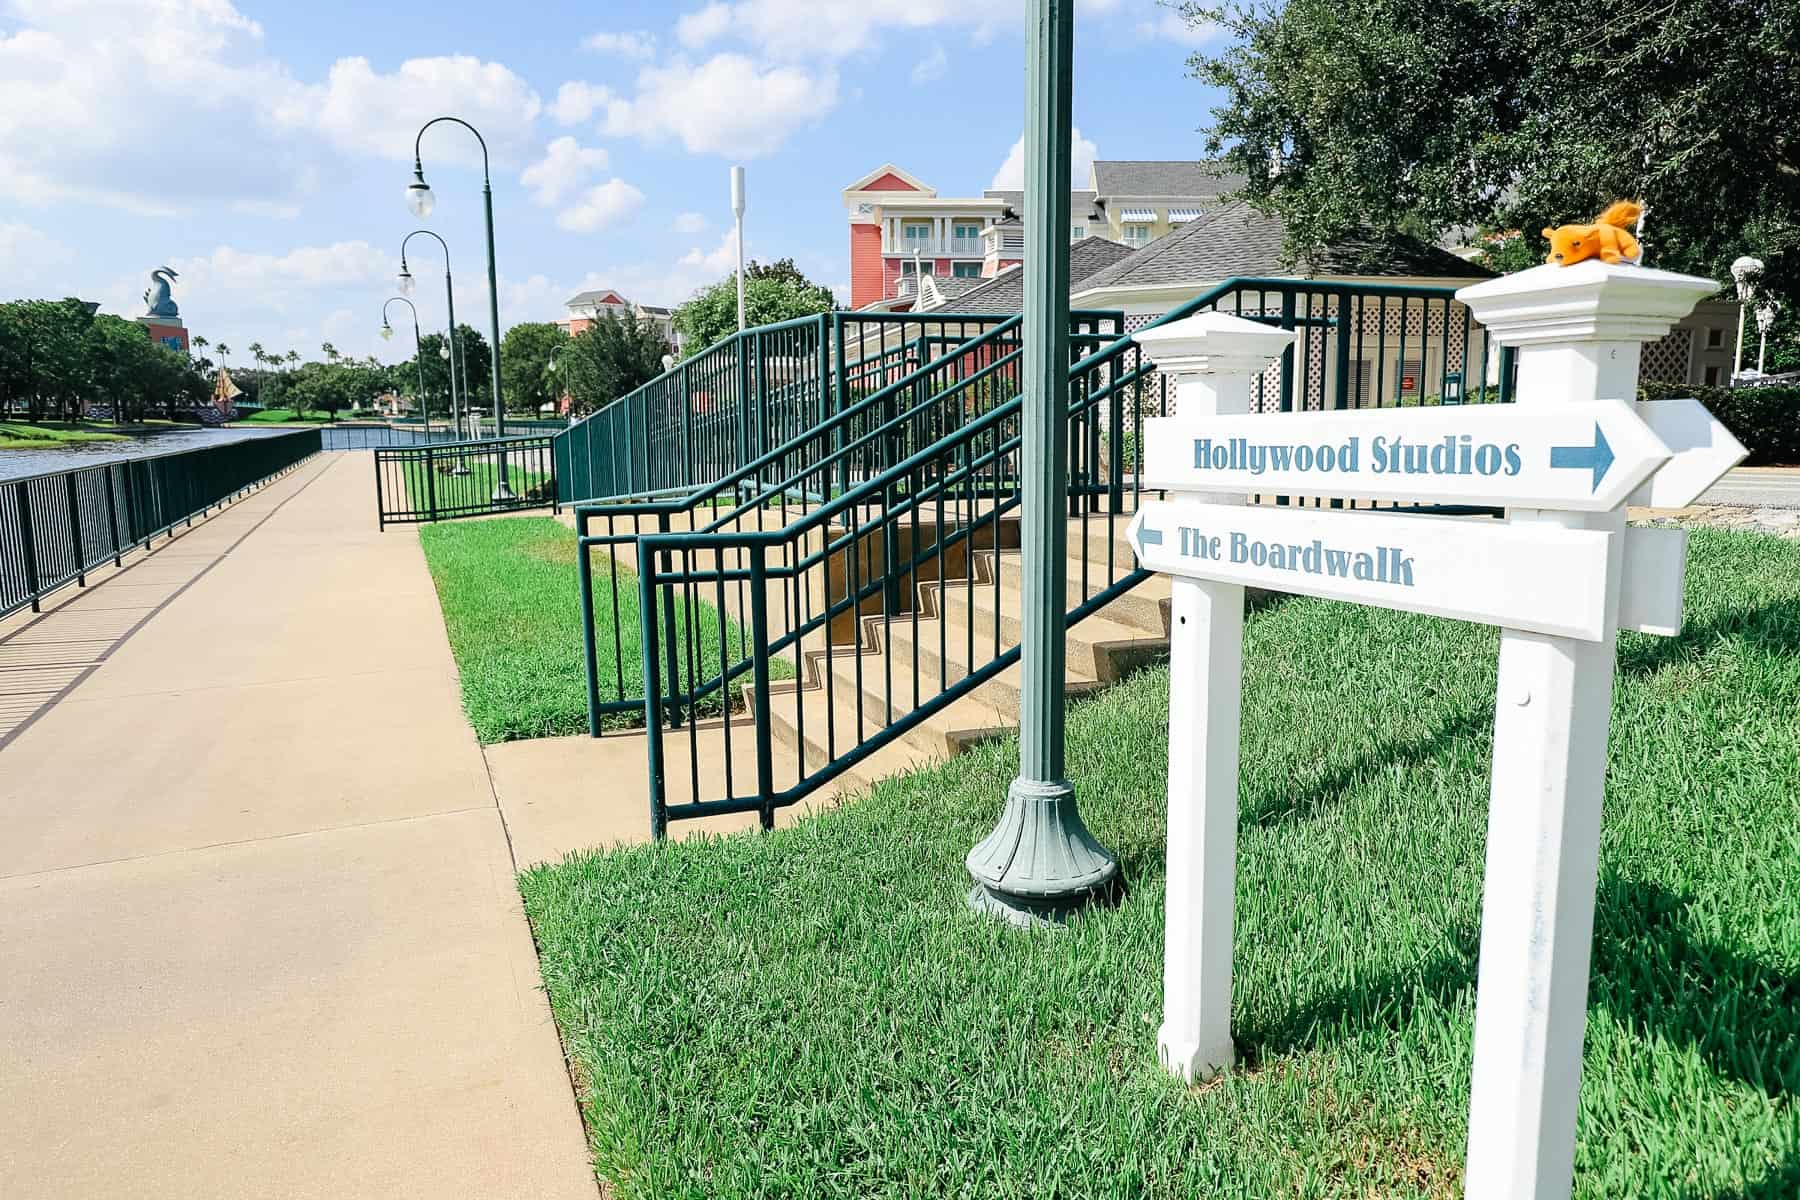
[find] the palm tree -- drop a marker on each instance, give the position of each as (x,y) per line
(330,351)
(256,352)
(224,352)
(200,344)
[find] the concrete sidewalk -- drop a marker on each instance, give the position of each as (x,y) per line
(258,926)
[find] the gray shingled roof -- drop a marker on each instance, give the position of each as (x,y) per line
(956,285)
(1116,177)
(1005,292)
(1235,239)
(1082,206)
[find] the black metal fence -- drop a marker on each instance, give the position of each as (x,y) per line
(55,528)
(432,482)
(380,437)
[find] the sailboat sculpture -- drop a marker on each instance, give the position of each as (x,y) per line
(222,408)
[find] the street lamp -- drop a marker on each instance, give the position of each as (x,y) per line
(1765,320)
(1040,863)
(420,201)
(408,284)
(387,335)
(1746,273)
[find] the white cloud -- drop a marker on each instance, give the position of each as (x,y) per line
(600,206)
(367,112)
(689,222)
(725,105)
(566,165)
(931,67)
(1083,152)
(179,106)
(797,29)
(1171,26)
(720,260)
(576,101)
(29,257)
(626,45)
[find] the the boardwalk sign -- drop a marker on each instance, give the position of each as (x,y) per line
(1585,458)
(1546,580)
(1560,575)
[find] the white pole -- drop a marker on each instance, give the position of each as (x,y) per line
(737,209)
(1579,331)
(1212,359)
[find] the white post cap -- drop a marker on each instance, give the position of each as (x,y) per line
(1592,301)
(1214,343)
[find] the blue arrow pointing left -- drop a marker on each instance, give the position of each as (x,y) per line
(1597,457)
(1148,537)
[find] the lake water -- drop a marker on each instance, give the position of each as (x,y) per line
(16,464)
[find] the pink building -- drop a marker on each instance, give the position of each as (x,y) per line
(900,226)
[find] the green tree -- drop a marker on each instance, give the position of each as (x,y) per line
(46,363)
(609,358)
(777,291)
(525,354)
(1506,116)
(474,365)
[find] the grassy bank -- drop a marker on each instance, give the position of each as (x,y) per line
(814,1013)
(512,608)
(47,435)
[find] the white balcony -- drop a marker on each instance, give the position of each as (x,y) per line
(934,247)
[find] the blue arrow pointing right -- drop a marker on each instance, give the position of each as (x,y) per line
(1597,457)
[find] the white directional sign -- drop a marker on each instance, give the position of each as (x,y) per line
(1545,580)
(1584,457)
(1703,450)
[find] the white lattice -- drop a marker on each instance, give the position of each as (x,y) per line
(1666,359)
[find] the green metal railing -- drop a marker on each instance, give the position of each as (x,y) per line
(56,528)
(959,381)
(830,568)
(740,398)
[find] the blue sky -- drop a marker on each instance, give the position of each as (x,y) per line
(262,149)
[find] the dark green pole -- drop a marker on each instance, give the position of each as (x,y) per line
(418,191)
(1040,863)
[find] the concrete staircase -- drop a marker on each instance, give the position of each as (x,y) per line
(940,633)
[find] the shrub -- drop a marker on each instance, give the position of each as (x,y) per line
(1765,419)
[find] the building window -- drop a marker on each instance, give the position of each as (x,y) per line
(965,270)
(909,267)
(1712,376)
(1077,232)
(1137,234)
(915,233)
(1715,338)
(966,231)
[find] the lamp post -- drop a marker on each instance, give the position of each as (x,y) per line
(737,210)
(1040,863)
(387,334)
(407,286)
(1765,320)
(1746,273)
(420,199)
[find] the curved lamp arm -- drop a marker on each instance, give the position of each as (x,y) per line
(428,233)
(418,169)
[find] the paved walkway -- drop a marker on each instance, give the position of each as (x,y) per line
(258,928)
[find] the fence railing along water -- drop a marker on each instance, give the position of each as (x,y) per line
(56,528)
(833,547)
(438,481)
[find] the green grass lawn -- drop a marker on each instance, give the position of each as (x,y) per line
(474,492)
(512,607)
(287,416)
(47,435)
(813,1012)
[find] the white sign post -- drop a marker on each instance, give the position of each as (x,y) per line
(1554,576)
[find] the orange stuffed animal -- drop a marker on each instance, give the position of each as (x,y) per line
(1609,238)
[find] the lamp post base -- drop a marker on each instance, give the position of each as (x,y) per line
(1040,865)
(502,494)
